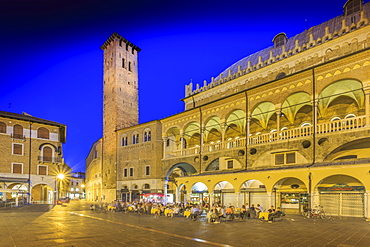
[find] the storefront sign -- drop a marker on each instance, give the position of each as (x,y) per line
(342,187)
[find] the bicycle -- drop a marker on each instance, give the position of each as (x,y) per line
(316,213)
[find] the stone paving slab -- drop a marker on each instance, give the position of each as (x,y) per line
(75,225)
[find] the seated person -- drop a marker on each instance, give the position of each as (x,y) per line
(275,214)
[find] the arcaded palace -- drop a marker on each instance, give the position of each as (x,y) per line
(287,126)
(31,158)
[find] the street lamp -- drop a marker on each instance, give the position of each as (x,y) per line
(60,177)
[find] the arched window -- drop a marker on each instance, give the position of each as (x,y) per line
(352,6)
(280,75)
(47,154)
(147,136)
(279,40)
(124,141)
(2,127)
(146,186)
(135,138)
(18,131)
(43,133)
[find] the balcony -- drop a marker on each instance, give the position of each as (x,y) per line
(299,132)
(48,159)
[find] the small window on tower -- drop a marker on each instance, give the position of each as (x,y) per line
(126,46)
(133,50)
(123,63)
(129,66)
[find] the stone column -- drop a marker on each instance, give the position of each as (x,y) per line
(367,106)
(164,146)
(181,142)
(237,199)
(202,128)
(165,191)
(223,132)
(367,205)
(269,200)
(248,128)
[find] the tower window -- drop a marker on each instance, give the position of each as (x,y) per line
(133,50)
(147,170)
(129,66)
(131,171)
(126,46)
(123,63)
(125,172)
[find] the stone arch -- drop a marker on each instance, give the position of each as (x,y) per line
(294,103)
(261,115)
(213,130)
(224,193)
(291,194)
(236,119)
(199,193)
(183,169)
(355,149)
(192,134)
(341,195)
(42,194)
(254,192)
(350,88)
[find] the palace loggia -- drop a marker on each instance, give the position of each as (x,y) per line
(287,126)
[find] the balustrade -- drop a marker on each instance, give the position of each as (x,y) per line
(322,128)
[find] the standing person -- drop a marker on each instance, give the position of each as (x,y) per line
(252,211)
(243,212)
(247,210)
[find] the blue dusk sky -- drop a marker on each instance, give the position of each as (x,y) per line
(52,64)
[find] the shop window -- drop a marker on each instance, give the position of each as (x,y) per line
(147,170)
(285,158)
(17,168)
(17,149)
(2,127)
(42,170)
(43,133)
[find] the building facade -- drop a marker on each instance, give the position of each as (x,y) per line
(31,158)
(286,126)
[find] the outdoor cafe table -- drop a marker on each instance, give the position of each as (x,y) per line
(187,214)
(263,216)
(167,212)
(154,210)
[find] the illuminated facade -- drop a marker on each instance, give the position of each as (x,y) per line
(31,158)
(286,126)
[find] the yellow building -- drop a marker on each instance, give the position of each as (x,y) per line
(286,126)
(31,158)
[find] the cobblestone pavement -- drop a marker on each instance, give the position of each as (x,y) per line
(75,225)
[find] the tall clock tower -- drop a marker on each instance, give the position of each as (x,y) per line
(121,106)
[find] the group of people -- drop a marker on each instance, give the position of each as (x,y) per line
(214,214)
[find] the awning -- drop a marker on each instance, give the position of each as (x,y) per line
(152,194)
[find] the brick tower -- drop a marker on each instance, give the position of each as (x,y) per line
(121,106)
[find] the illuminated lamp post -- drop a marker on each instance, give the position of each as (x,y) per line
(59,178)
